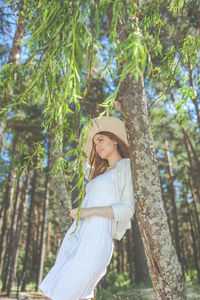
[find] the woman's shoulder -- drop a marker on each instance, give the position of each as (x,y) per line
(124,161)
(123,165)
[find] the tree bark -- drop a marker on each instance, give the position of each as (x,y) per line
(195,155)
(59,187)
(129,254)
(48,239)
(7,204)
(13,236)
(173,203)
(6,213)
(140,261)
(166,273)
(15,52)
(165,269)
(12,232)
(29,230)
(44,231)
(194,203)
(197,266)
(17,233)
(194,178)
(118,257)
(37,242)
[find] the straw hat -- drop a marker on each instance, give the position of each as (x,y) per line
(103,123)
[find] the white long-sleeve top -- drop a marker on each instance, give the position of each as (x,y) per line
(124,208)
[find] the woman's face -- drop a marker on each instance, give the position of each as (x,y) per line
(104,146)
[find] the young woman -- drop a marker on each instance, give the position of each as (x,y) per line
(106,213)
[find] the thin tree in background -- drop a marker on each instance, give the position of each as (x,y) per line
(30,227)
(140,261)
(173,203)
(7,203)
(197,265)
(44,230)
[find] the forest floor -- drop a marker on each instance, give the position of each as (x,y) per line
(142,294)
(126,294)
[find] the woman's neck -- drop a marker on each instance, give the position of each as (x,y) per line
(113,162)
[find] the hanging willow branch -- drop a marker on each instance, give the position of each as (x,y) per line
(63,44)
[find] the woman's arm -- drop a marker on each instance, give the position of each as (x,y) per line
(124,209)
(101,211)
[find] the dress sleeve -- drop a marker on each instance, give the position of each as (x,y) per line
(124,209)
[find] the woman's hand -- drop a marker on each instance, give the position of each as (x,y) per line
(103,211)
(85,212)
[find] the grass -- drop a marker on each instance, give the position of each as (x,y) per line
(133,293)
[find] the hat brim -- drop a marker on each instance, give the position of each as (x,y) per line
(103,123)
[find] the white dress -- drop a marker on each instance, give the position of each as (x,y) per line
(84,256)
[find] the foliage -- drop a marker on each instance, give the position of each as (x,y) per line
(62,46)
(63,61)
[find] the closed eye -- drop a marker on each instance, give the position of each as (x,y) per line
(100,140)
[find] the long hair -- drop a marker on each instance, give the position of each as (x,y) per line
(98,164)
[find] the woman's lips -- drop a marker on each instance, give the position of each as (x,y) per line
(100,151)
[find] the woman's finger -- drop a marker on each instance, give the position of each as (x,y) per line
(73,213)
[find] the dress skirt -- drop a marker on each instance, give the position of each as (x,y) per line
(83,257)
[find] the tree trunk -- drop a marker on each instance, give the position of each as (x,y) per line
(44,231)
(197,266)
(194,178)
(59,187)
(15,241)
(118,257)
(166,206)
(12,232)
(33,242)
(195,155)
(29,230)
(140,261)
(114,261)
(15,52)
(165,269)
(166,273)
(173,203)
(194,203)
(36,248)
(7,204)
(6,212)
(48,238)
(129,251)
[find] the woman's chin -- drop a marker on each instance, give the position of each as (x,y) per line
(102,156)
